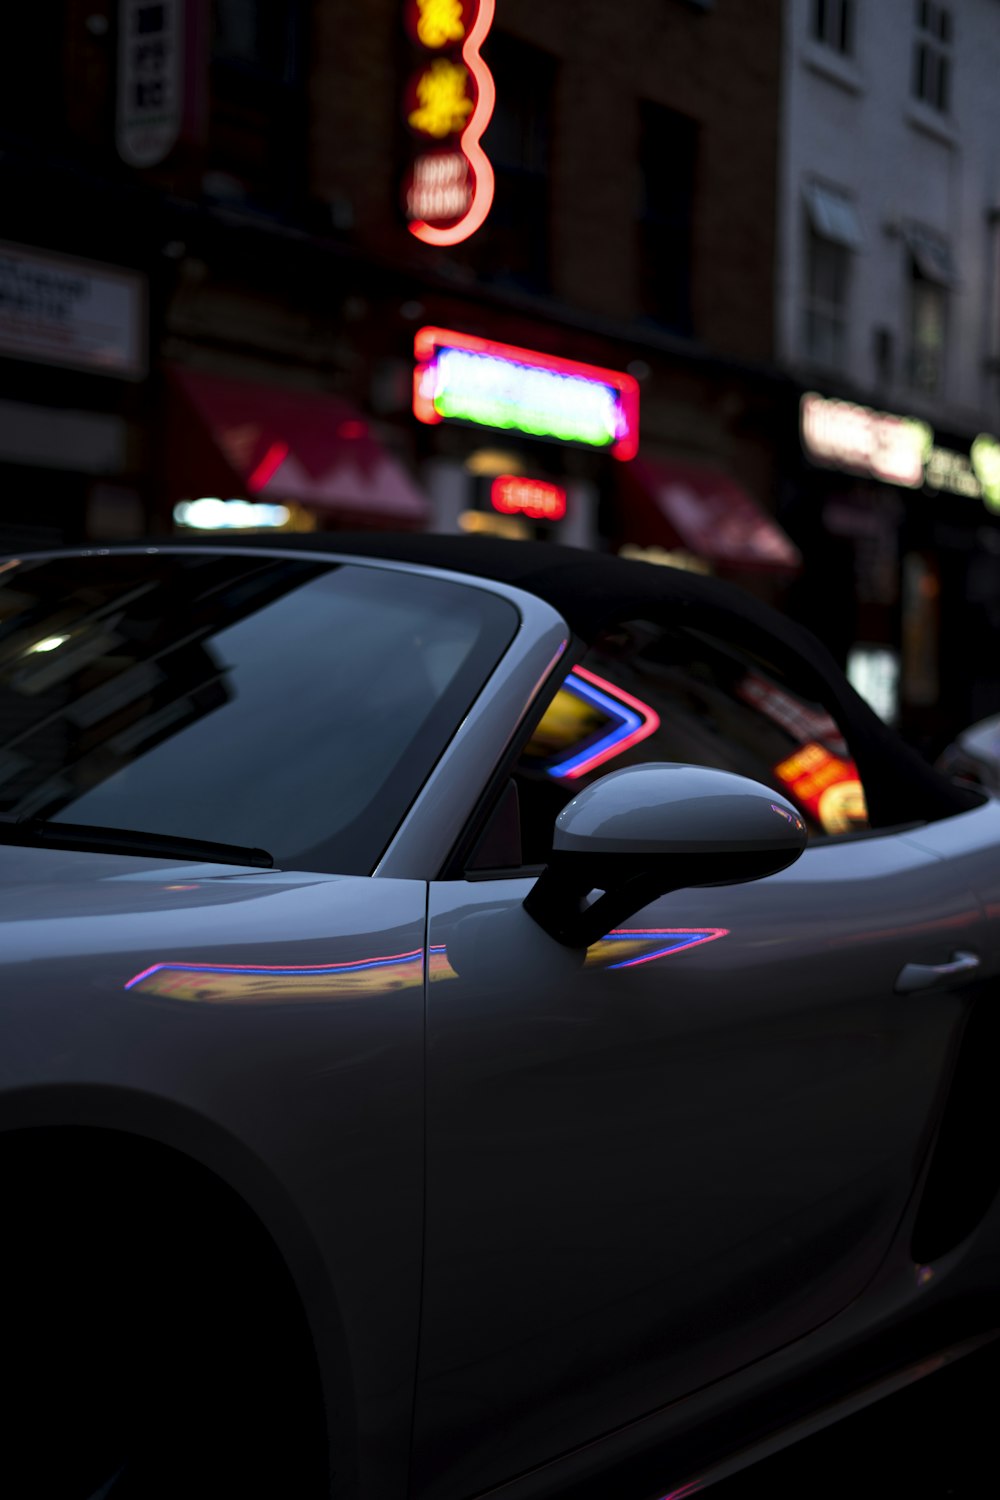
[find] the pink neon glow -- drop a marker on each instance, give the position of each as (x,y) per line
(469,141)
(650,724)
(708,935)
(268,466)
(427,342)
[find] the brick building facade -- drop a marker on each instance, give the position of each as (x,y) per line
(635,149)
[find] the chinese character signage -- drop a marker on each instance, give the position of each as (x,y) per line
(447,105)
(476,380)
(150,101)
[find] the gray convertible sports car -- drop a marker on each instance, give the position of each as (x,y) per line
(476,1017)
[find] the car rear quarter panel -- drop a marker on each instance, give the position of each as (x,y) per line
(271,1026)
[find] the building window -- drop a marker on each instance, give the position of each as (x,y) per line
(833,235)
(928,315)
(668,164)
(259,35)
(257,116)
(833,24)
(514,247)
(931,274)
(932,55)
(828,268)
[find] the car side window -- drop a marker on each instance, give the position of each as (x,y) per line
(646,692)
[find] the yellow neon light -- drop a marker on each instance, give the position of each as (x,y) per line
(440,22)
(444,105)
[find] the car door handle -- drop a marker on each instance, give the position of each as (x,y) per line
(925,976)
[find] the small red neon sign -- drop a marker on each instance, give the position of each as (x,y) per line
(448,192)
(513,495)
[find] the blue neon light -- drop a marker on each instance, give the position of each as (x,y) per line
(628,723)
(683,938)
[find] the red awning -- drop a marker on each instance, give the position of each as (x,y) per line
(269,443)
(672,503)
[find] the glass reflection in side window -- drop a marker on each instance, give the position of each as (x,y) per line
(678,694)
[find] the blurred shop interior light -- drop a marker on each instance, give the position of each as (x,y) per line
(493,461)
(665,557)
(488,523)
(873,672)
(210,514)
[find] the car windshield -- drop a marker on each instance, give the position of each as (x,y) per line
(294,705)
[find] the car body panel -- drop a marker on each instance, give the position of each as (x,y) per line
(651,1171)
(969,841)
(277,1012)
(661,1183)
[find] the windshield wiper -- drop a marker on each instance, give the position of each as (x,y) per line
(37,833)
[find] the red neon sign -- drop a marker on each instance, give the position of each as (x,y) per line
(448,191)
(513,495)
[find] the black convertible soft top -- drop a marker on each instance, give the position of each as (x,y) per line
(593,591)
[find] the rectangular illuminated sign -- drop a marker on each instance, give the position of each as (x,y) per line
(471,379)
(898,450)
(878,443)
(59,310)
(514,495)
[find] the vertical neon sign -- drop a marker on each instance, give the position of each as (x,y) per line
(448,105)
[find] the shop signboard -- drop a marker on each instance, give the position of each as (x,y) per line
(61,311)
(448,101)
(985,455)
(537,499)
(897,450)
(878,443)
(150,74)
(465,378)
(826,785)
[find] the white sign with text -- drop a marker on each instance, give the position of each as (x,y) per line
(62,311)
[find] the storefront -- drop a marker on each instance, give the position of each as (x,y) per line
(244,455)
(899,525)
(518,442)
(694,514)
(73,361)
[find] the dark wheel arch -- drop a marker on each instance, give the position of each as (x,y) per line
(152,1327)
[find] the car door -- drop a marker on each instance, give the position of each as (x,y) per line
(652,1164)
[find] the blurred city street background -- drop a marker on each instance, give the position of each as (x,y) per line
(709,283)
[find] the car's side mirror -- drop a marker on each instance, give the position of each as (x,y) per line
(638,833)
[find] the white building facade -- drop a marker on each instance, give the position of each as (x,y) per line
(888,319)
